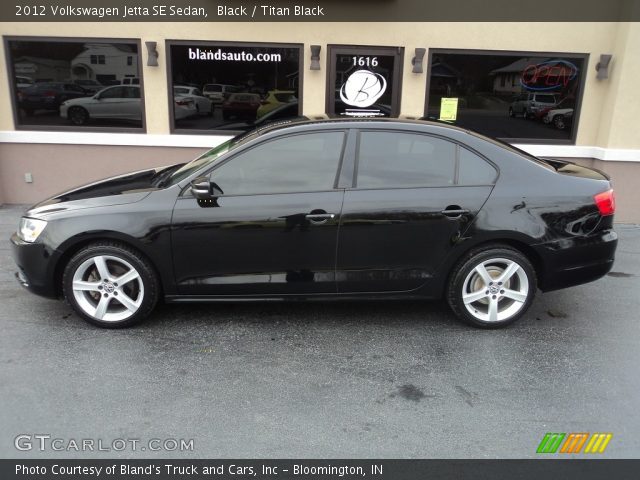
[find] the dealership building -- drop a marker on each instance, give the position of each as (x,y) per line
(82,101)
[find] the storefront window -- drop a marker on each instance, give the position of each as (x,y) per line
(233,87)
(58,84)
(364,81)
(521,97)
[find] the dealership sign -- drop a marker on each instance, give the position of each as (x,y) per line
(242,56)
(550,75)
(363,88)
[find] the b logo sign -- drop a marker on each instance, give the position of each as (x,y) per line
(363,88)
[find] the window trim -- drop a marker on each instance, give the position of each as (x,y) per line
(511,53)
(197,131)
(186,191)
(71,128)
(458,145)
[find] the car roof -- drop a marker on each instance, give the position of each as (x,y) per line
(377,122)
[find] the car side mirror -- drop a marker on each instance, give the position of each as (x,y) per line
(204,189)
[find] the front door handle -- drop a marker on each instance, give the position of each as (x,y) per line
(320,216)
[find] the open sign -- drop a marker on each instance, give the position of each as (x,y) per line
(550,75)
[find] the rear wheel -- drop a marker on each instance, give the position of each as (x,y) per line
(110,285)
(559,122)
(492,287)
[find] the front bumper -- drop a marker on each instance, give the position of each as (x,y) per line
(34,262)
(574,261)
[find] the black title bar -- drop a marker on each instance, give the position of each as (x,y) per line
(582,469)
(320,11)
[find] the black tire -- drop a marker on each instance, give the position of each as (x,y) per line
(145,287)
(78,115)
(465,279)
(559,123)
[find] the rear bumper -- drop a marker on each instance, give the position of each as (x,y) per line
(574,261)
(34,264)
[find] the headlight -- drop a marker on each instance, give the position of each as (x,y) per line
(30,229)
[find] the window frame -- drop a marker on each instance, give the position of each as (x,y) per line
(523,53)
(334,187)
(345,49)
(71,128)
(212,43)
(458,145)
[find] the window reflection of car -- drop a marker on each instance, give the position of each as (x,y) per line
(218,92)
(24,82)
(202,104)
(287,111)
(241,105)
(183,107)
(90,86)
(273,99)
(530,105)
(48,96)
(117,102)
(560,118)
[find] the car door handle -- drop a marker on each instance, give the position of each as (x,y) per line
(315,217)
(453,211)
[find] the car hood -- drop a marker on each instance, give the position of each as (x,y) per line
(118,190)
(77,101)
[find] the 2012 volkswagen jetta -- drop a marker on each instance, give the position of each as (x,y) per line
(326,209)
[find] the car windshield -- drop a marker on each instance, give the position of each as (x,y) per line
(207,158)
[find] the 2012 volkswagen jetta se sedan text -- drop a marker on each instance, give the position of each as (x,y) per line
(322,210)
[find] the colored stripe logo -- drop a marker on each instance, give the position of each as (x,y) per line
(574,442)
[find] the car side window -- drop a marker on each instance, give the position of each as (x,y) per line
(473,169)
(297,163)
(115,92)
(131,92)
(396,160)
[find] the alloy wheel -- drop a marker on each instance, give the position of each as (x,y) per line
(108,288)
(495,290)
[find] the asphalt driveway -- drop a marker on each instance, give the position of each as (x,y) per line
(381,379)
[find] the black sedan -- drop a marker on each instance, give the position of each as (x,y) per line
(48,96)
(323,210)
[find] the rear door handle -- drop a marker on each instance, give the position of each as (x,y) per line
(453,211)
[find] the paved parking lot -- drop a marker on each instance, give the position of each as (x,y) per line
(381,379)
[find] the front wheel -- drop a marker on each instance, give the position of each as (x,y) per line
(78,115)
(110,285)
(492,287)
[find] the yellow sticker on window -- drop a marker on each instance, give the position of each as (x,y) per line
(448,109)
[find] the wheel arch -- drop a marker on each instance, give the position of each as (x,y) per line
(518,244)
(74,244)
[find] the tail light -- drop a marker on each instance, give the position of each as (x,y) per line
(606,202)
(49,93)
